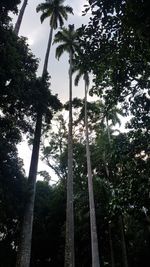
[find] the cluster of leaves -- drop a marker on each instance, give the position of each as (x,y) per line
(5,8)
(118,56)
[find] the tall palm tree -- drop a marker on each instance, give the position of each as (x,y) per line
(67,39)
(20,17)
(94,239)
(24,250)
(57,13)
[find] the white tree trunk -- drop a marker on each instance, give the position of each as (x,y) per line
(94,239)
(69,250)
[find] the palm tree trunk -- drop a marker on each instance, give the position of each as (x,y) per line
(47,51)
(94,239)
(69,250)
(24,251)
(111,245)
(20,16)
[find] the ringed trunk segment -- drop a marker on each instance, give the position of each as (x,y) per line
(69,249)
(94,239)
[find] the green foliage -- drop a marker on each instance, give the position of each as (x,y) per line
(56,11)
(17,73)
(116,54)
(12,184)
(48,236)
(5,8)
(67,39)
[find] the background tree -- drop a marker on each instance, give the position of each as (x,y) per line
(94,239)
(67,40)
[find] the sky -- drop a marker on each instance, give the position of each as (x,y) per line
(37,35)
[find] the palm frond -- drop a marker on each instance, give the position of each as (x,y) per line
(63,12)
(81,72)
(62,36)
(42,7)
(58,37)
(60,19)
(77,78)
(55,9)
(44,16)
(69,10)
(65,35)
(60,50)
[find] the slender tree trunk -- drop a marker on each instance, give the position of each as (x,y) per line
(111,246)
(24,251)
(94,239)
(20,16)
(123,243)
(69,250)
(47,51)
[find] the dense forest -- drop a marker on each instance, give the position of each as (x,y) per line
(97,213)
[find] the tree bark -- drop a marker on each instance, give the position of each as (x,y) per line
(20,16)
(69,250)
(94,239)
(48,51)
(24,251)
(111,246)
